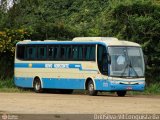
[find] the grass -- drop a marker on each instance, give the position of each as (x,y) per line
(153,89)
(8,83)
(8,86)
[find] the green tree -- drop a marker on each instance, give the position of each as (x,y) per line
(138,21)
(133,20)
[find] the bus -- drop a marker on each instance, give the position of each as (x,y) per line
(95,64)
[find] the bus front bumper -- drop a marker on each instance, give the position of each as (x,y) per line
(106,85)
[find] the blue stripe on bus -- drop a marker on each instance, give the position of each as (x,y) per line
(21,65)
(44,65)
(56,83)
(63,83)
(70,83)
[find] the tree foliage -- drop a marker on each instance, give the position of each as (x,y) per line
(132,20)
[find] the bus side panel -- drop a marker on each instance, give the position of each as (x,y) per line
(102,85)
(23,82)
(63,83)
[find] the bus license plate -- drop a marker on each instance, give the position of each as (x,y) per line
(129,88)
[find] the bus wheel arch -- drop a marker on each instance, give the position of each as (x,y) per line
(37,85)
(90,87)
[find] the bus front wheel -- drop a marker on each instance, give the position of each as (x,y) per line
(91,88)
(37,86)
(121,93)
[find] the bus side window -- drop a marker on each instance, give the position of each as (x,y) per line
(92,53)
(75,52)
(21,52)
(89,52)
(62,53)
(31,53)
(68,53)
(55,52)
(41,53)
(50,52)
(80,52)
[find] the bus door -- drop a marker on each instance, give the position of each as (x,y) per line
(102,59)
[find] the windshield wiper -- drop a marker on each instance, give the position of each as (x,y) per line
(130,66)
(124,70)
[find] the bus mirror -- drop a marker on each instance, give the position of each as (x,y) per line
(145,59)
(109,58)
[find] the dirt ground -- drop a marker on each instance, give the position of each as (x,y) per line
(47,103)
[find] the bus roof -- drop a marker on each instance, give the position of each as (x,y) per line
(94,39)
(109,41)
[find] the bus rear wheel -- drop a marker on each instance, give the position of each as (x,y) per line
(121,93)
(91,89)
(37,86)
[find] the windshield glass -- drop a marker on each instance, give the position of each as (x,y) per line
(126,61)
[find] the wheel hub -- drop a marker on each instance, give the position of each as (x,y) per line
(37,86)
(91,87)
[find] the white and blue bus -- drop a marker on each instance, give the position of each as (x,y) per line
(85,63)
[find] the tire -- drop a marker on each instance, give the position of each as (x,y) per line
(121,93)
(37,86)
(91,89)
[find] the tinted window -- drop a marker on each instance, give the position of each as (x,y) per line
(68,53)
(56,52)
(42,53)
(53,52)
(89,52)
(63,52)
(50,52)
(21,52)
(102,59)
(31,53)
(77,52)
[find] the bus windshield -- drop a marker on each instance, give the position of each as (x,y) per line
(126,62)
